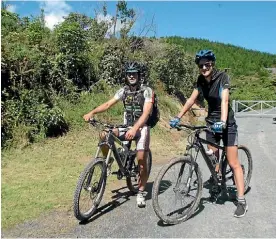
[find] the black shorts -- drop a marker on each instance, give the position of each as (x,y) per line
(229,136)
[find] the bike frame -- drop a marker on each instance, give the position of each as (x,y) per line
(198,145)
(110,142)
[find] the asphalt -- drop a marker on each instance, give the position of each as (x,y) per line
(122,218)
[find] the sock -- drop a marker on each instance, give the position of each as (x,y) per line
(241,200)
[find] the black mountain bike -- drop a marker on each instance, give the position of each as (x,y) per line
(92,181)
(177,189)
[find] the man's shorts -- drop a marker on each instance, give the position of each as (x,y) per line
(229,136)
(142,138)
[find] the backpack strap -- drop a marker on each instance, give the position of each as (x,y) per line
(126,89)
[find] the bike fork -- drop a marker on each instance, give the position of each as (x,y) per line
(188,183)
(88,181)
(108,157)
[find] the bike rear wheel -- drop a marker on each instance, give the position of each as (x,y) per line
(177,190)
(90,189)
(246,162)
(132,181)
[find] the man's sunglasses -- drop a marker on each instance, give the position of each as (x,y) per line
(207,65)
(131,73)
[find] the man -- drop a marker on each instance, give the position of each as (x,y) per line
(138,102)
(215,85)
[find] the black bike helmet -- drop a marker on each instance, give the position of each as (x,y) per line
(208,54)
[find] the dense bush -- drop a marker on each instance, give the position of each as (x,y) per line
(30,109)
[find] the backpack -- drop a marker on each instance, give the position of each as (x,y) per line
(139,95)
(155,114)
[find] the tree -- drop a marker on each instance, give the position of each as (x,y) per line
(125,16)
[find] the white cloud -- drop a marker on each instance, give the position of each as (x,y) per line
(108,19)
(11,8)
(55,11)
(52,19)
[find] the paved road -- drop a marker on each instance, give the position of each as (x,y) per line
(124,219)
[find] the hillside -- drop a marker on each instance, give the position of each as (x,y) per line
(241,61)
(249,78)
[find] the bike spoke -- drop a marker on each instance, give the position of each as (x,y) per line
(91,188)
(246,165)
(175,198)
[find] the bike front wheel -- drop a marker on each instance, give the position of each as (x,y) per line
(177,190)
(246,162)
(90,189)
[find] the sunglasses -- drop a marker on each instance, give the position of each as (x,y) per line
(131,73)
(207,65)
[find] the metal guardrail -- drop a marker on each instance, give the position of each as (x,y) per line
(254,107)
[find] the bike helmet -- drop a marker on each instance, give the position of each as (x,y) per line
(208,54)
(132,67)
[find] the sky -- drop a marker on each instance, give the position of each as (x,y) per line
(248,24)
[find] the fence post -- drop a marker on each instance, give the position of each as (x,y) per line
(234,105)
(261,107)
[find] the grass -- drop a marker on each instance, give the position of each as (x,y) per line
(43,176)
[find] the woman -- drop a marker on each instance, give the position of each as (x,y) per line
(215,85)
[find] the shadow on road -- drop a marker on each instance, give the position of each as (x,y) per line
(198,210)
(226,195)
(120,197)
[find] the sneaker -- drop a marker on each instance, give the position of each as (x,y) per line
(141,199)
(241,209)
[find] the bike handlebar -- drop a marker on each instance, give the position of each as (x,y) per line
(110,126)
(194,127)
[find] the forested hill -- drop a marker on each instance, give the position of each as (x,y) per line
(250,80)
(241,60)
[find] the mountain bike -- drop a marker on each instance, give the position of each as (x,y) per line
(181,178)
(92,181)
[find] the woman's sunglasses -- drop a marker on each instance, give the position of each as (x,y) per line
(207,65)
